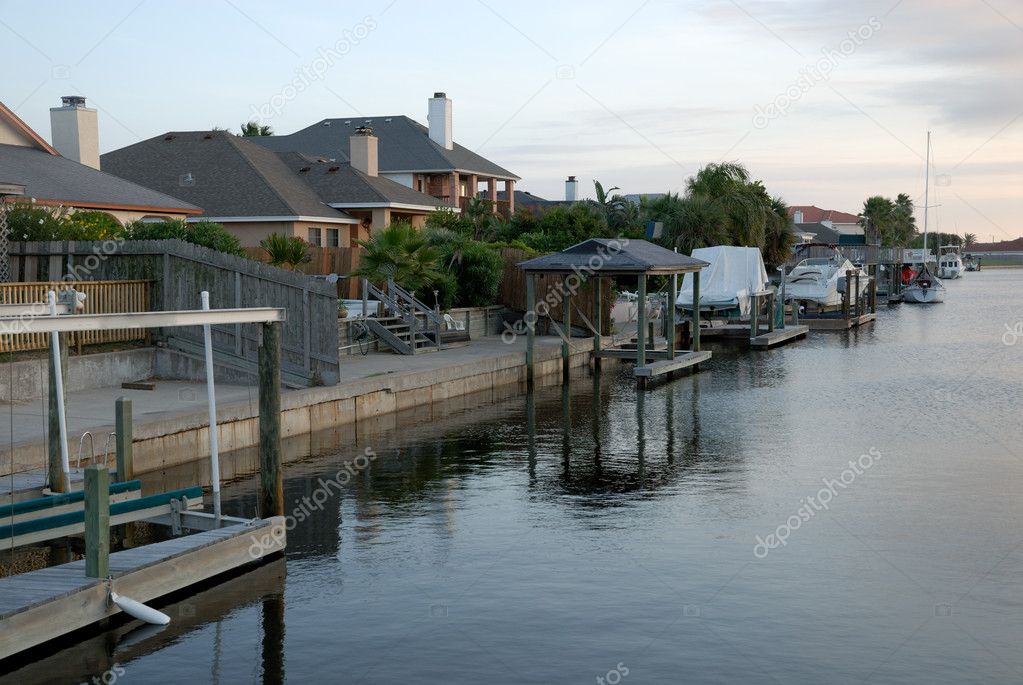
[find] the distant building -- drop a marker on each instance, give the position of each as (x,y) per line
(67,174)
(811,224)
(423,158)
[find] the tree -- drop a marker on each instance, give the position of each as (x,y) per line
(401,253)
(969,240)
(618,212)
(252,128)
(690,222)
(742,200)
(289,251)
(204,233)
(878,220)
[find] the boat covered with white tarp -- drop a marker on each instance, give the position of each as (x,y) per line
(731,276)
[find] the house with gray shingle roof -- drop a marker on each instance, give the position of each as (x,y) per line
(239,184)
(423,158)
(255,191)
(52,178)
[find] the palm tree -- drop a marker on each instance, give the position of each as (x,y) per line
(252,128)
(778,236)
(690,222)
(619,212)
(401,253)
(969,240)
(746,203)
(878,220)
(285,251)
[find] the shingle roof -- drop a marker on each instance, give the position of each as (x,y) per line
(610,256)
(55,179)
(822,234)
(404,145)
(226,175)
(813,214)
(339,183)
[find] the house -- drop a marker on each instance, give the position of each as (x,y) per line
(816,233)
(423,158)
(811,216)
(243,186)
(254,191)
(67,173)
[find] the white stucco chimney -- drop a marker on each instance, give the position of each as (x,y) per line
(797,216)
(363,151)
(439,117)
(571,189)
(75,130)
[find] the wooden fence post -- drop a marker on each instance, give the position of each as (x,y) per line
(123,438)
(271,488)
(97,521)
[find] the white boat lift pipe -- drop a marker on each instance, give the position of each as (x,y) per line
(211,403)
(58,386)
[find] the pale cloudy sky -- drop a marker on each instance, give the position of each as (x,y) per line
(828,101)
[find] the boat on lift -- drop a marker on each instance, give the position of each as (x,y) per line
(822,279)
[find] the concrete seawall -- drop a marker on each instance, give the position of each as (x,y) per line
(388,384)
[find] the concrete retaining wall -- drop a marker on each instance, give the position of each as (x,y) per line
(107,369)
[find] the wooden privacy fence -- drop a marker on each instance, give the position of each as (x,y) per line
(512,293)
(323,261)
(179,271)
(101,297)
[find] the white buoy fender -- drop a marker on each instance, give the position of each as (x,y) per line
(139,610)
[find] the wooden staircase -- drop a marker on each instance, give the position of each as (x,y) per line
(397,334)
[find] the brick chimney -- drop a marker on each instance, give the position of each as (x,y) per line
(75,130)
(364,151)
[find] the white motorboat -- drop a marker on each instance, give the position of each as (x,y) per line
(950,263)
(731,277)
(925,288)
(823,279)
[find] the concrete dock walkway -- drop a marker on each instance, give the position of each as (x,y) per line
(170,422)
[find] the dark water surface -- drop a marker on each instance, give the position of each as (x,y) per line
(589,532)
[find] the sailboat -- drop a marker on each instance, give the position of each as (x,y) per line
(926,287)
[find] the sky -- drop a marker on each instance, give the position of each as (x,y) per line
(826,101)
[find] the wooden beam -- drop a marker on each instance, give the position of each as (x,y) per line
(530,318)
(97,521)
(123,438)
(669,325)
(271,490)
(598,283)
(566,339)
(696,311)
(641,322)
(132,320)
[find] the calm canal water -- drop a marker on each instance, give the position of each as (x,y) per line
(591,533)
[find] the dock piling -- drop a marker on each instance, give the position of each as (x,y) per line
(271,488)
(566,348)
(530,319)
(60,467)
(597,284)
(123,439)
(696,311)
(97,521)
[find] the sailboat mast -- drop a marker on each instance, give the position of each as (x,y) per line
(927,196)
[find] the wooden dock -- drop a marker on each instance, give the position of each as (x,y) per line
(837,323)
(42,605)
(682,361)
(778,336)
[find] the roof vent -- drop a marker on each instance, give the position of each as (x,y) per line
(208,136)
(364,131)
(327,122)
(348,122)
(388,119)
(303,169)
(169,137)
(332,169)
(440,95)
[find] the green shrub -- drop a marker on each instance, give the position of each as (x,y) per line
(284,250)
(203,233)
(478,274)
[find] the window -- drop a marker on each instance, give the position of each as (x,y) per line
(332,237)
(314,236)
